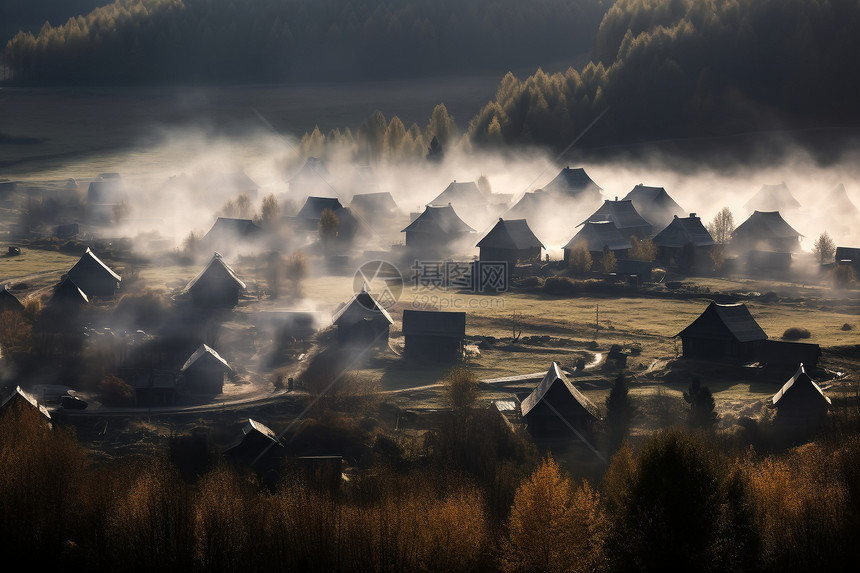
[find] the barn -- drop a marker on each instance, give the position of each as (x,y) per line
(94,277)
(723,333)
(511,241)
(555,406)
(433,335)
(204,371)
(217,285)
(362,322)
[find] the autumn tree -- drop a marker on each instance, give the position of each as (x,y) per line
(824,248)
(608,262)
(722,227)
(461,388)
(642,249)
(270,212)
(580,259)
(553,526)
(327,227)
(295,270)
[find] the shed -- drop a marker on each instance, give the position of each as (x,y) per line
(434,335)
(362,322)
(67,296)
(624,216)
(723,333)
(217,285)
(598,237)
(204,371)
(800,401)
(785,354)
(765,231)
(94,277)
(9,301)
(511,241)
(436,229)
(574,183)
(655,205)
(682,231)
(849,256)
(555,405)
(251,441)
(18,398)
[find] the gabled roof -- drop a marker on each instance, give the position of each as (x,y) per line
(215,267)
(720,321)
(621,212)
(773,198)
(574,182)
(555,376)
(599,234)
(227,226)
(90,264)
(434,323)
(654,204)
(9,301)
(252,427)
(19,395)
(530,206)
(204,352)
(314,206)
(464,192)
(766,224)
(314,168)
(359,307)
(513,234)
(374,203)
(802,385)
(438,219)
(68,292)
(840,205)
(683,230)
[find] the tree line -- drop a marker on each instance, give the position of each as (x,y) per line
(183,41)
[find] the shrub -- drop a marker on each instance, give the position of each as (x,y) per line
(116,391)
(461,388)
(843,276)
(795,333)
(559,286)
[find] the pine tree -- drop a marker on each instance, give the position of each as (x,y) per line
(619,413)
(701,401)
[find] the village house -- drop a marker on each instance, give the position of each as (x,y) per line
(362,322)
(654,204)
(67,296)
(433,335)
(800,402)
(599,237)
(204,372)
(624,216)
(511,241)
(216,286)
(94,277)
(226,233)
(765,231)
(773,198)
(680,232)
(574,184)
(9,301)
(251,442)
(723,333)
(374,208)
(436,230)
(555,406)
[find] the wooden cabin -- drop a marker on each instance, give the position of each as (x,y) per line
(624,216)
(511,241)
(204,372)
(362,322)
(682,231)
(800,402)
(574,183)
(598,237)
(654,204)
(436,230)
(765,231)
(723,333)
(773,198)
(94,277)
(433,335)
(555,406)
(217,285)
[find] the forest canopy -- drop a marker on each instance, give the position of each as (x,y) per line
(228,41)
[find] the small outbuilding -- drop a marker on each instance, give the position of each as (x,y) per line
(800,402)
(624,216)
(67,296)
(848,256)
(217,285)
(9,301)
(94,277)
(204,371)
(434,335)
(362,322)
(251,442)
(511,241)
(723,333)
(555,406)
(785,354)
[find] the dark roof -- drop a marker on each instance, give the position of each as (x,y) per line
(555,376)
(720,321)
(89,264)
(374,203)
(599,234)
(205,353)
(513,234)
(801,385)
(621,212)
(574,182)
(68,292)
(773,198)
(314,168)
(252,427)
(530,206)
(683,230)
(232,228)
(9,301)
(654,204)
(765,224)
(439,219)
(464,192)
(361,306)
(851,254)
(20,396)
(314,206)
(214,268)
(434,323)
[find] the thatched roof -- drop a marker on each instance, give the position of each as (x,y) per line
(765,225)
(574,183)
(555,376)
(683,230)
(773,198)
(654,204)
(439,219)
(621,212)
(67,292)
(216,268)
(721,321)
(599,234)
(511,234)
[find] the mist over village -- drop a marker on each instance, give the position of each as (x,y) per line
(475,285)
